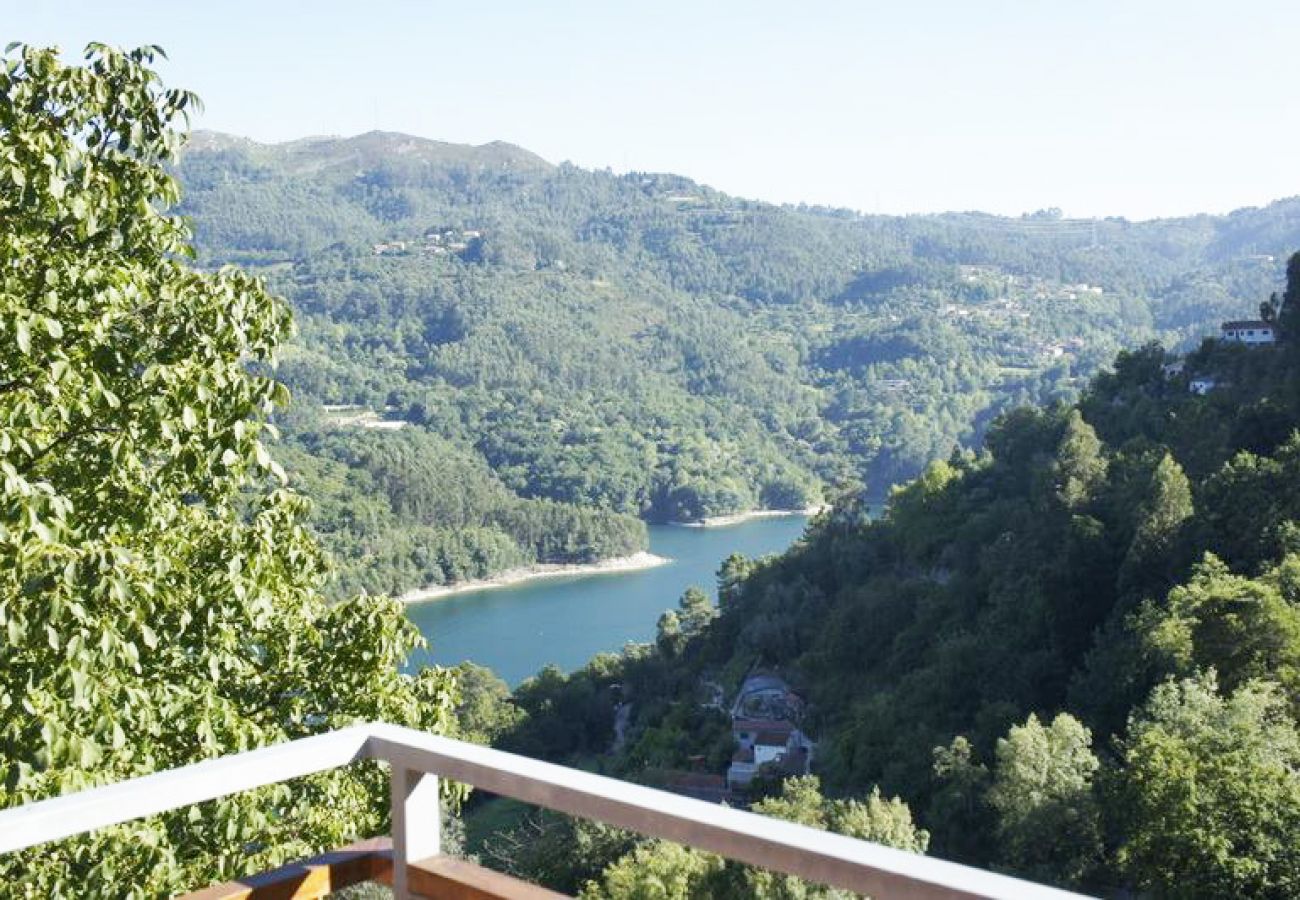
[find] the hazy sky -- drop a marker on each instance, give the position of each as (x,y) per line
(1137,108)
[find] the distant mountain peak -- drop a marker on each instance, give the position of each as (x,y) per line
(320,151)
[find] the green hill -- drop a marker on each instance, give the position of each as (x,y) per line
(1074,653)
(647,345)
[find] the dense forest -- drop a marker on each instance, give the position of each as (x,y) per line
(648,346)
(412,509)
(1073,654)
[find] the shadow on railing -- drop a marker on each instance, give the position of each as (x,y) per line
(418,759)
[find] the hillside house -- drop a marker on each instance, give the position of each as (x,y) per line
(777,745)
(763,719)
(339,415)
(1249,331)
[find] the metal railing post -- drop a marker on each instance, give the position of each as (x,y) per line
(417,823)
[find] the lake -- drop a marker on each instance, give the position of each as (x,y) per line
(567,620)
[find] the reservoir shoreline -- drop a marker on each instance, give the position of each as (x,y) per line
(512,577)
(740,518)
(517,629)
(620,564)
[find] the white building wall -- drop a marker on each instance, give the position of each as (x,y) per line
(1251,335)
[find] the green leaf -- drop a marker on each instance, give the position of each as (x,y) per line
(79,679)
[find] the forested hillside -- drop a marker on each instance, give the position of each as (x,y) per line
(1075,653)
(411,509)
(646,345)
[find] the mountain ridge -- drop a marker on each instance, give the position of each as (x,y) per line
(511,155)
(372,147)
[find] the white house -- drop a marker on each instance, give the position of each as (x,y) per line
(1249,331)
(763,719)
(765,742)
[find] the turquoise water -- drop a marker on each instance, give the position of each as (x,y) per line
(517,630)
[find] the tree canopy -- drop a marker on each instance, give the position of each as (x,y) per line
(160,593)
(658,870)
(1210,798)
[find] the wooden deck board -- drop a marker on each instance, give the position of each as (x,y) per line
(448,878)
(435,878)
(310,879)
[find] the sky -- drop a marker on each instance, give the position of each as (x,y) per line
(1140,108)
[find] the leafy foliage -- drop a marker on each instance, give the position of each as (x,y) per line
(1042,792)
(558,851)
(159,590)
(657,869)
(1210,797)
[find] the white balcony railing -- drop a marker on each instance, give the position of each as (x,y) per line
(418,759)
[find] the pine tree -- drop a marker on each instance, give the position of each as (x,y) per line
(1288,314)
(1080,466)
